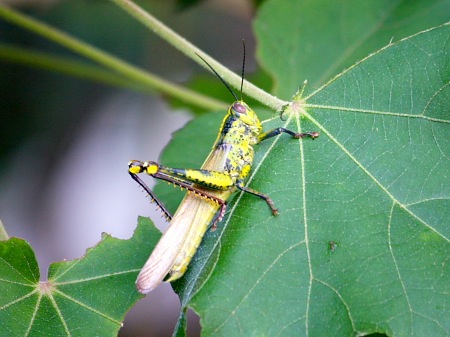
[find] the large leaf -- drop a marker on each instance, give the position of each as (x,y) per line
(361,242)
(84,297)
(317,39)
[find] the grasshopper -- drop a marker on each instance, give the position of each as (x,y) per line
(224,171)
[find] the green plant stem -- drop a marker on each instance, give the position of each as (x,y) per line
(192,51)
(129,71)
(67,66)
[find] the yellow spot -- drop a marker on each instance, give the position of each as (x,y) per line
(135,169)
(152,169)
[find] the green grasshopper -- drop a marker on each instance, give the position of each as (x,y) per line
(224,171)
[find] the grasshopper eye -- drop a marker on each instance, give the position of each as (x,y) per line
(239,108)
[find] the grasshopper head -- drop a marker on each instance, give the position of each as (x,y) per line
(245,114)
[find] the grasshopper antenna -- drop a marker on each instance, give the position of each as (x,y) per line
(243,67)
(220,77)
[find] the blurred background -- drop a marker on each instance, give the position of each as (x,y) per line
(65,142)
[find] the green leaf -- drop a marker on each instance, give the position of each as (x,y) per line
(84,297)
(317,39)
(361,242)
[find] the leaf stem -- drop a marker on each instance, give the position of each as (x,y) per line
(192,51)
(33,58)
(107,60)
